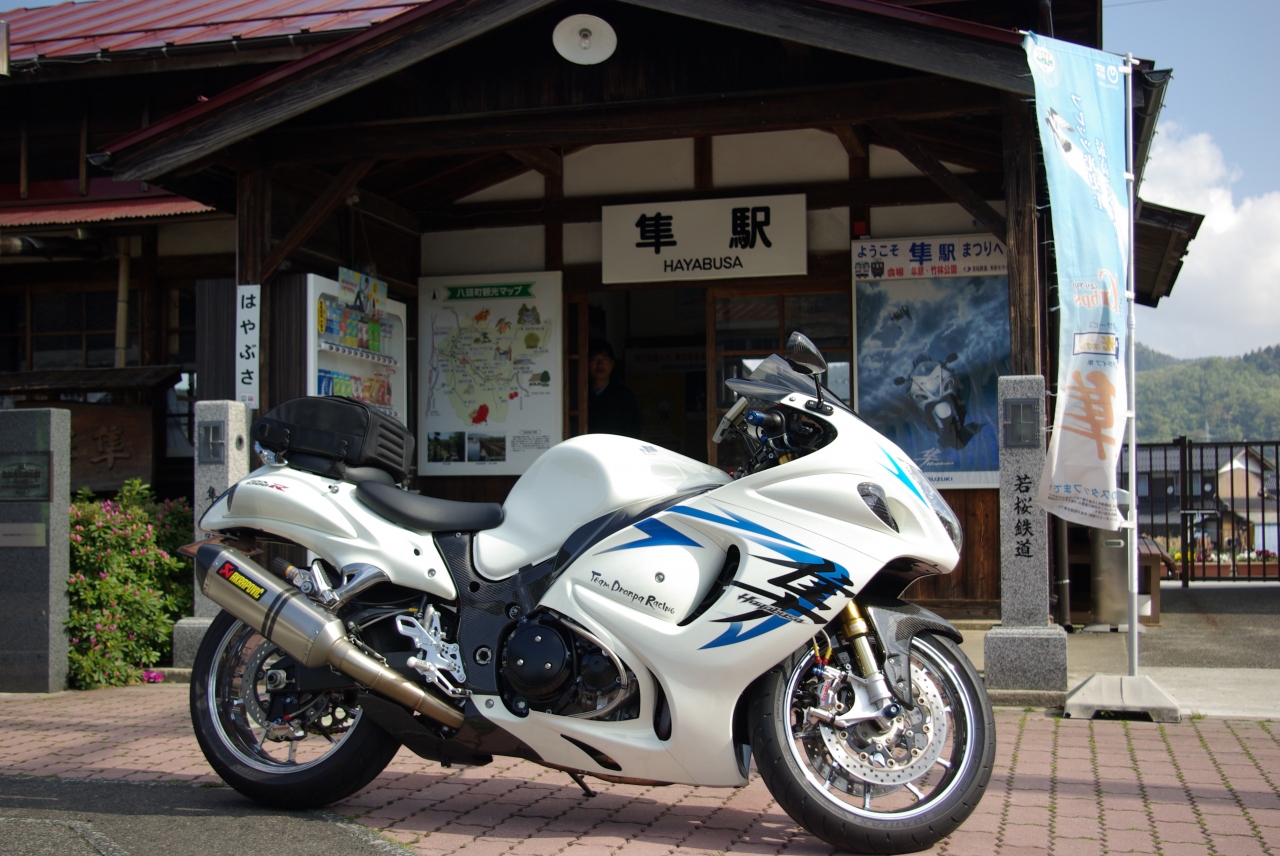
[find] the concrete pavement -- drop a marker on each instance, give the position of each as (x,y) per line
(69,816)
(1216,651)
(1204,786)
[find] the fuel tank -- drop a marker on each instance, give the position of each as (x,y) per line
(576,482)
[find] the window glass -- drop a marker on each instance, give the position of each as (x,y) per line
(100,350)
(824,318)
(100,310)
(57,352)
(13,354)
(59,312)
(747,324)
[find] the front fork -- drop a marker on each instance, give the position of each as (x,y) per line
(881,707)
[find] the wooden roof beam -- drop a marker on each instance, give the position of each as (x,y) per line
(334,195)
(580,125)
(326,76)
(853,138)
(315,181)
(868,192)
(997,61)
(891,133)
(545,161)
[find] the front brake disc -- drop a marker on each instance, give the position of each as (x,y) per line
(903,753)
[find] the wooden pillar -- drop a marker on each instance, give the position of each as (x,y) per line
(703,171)
(553,234)
(855,143)
(24,166)
(253,242)
(84,151)
(123,244)
(151,303)
(1020,214)
(253,224)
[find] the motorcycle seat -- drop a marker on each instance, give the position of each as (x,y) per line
(427,513)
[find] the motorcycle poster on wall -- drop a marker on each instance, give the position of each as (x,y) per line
(932,320)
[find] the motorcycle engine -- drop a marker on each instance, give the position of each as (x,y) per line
(546,666)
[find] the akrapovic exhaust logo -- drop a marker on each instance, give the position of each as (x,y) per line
(230,574)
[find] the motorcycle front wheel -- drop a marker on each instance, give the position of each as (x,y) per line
(870,790)
(282,748)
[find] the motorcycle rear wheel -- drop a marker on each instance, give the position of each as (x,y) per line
(842,791)
(342,750)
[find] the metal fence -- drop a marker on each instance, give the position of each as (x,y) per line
(1215,507)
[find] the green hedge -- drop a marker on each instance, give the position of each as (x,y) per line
(128,585)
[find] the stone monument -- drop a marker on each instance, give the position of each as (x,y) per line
(1025,653)
(35,495)
(222,459)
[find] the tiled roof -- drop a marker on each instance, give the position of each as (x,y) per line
(118,26)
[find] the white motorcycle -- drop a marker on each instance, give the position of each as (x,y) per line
(628,613)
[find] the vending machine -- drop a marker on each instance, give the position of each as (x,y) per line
(356,341)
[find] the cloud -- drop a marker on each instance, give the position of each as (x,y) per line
(1226,299)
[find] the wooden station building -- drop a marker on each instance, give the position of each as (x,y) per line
(257,142)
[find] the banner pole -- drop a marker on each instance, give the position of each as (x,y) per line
(1130,370)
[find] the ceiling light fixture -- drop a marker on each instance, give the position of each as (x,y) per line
(584,39)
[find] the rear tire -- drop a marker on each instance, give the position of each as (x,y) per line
(342,750)
(831,785)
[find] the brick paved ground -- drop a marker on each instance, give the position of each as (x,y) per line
(1207,786)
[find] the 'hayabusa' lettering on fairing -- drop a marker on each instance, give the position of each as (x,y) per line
(807,591)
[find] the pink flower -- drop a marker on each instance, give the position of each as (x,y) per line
(97,627)
(102,575)
(75,641)
(153,677)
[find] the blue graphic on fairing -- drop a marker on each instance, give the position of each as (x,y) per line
(735,632)
(805,591)
(901,475)
(754,532)
(804,595)
(659,535)
(733,521)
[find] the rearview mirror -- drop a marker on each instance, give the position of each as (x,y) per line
(804,356)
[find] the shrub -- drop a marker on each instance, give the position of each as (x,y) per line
(127,586)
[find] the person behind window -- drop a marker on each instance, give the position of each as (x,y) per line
(612,408)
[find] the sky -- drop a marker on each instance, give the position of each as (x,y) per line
(1213,154)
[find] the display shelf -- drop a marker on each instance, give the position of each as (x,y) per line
(373,374)
(358,353)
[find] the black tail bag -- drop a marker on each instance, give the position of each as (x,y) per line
(348,432)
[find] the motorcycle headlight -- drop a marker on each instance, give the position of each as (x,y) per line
(950,522)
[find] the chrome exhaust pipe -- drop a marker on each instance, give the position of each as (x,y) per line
(306,632)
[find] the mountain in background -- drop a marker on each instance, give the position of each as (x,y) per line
(1150,358)
(1214,398)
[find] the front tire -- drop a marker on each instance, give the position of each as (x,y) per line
(325,750)
(868,791)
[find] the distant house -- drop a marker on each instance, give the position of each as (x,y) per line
(1229,499)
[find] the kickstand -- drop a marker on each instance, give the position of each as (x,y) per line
(577,777)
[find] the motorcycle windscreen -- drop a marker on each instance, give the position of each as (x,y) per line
(774,380)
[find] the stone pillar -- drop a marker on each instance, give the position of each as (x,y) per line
(35,494)
(1025,652)
(222,459)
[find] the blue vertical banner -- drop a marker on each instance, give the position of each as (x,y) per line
(1080,110)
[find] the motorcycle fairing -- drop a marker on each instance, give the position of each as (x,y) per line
(325,514)
(793,527)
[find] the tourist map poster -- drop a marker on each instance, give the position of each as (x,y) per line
(490,372)
(933,339)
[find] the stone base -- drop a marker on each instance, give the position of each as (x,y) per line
(1026,658)
(1042,699)
(1121,694)
(187,636)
